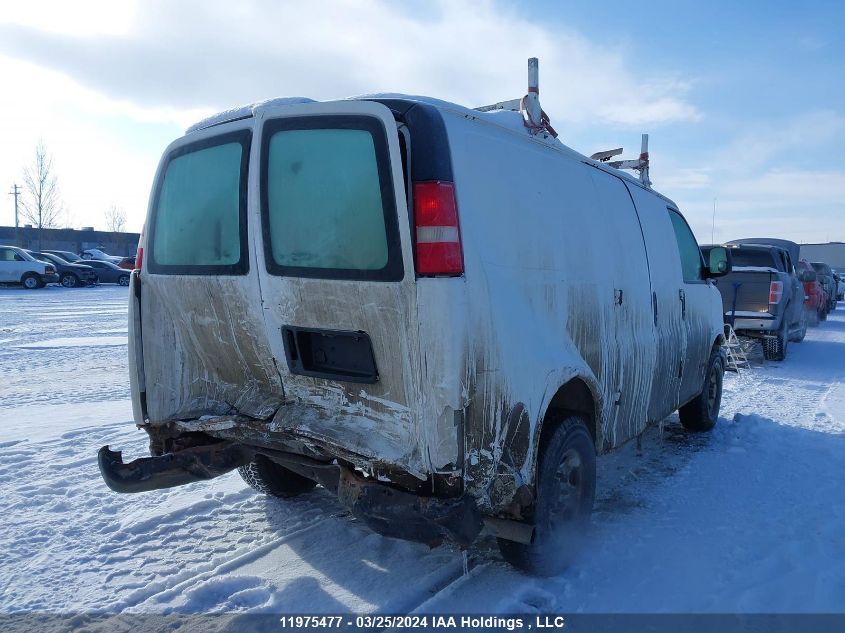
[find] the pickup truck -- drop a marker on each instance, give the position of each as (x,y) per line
(815,302)
(762,296)
(829,282)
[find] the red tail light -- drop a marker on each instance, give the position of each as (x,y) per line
(139,254)
(438,236)
(775,291)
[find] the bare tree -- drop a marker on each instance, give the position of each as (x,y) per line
(41,204)
(115,219)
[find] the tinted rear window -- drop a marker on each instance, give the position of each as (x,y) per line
(749,257)
(199,218)
(328,203)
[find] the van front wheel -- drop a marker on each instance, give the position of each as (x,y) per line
(566,489)
(701,413)
(269,478)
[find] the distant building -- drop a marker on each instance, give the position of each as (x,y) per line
(70,240)
(832,253)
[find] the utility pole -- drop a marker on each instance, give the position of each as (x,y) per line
(713,226)
(16,191)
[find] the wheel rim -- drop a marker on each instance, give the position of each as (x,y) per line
(124,281)
(68,281)
(566,503)
(30,282)
(714,390)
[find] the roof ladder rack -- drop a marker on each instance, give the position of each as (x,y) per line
(639,165)
(535,119)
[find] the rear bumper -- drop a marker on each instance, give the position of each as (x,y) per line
(170,470)
(383,508)
(764,324)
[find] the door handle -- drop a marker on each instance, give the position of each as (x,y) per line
(654,306)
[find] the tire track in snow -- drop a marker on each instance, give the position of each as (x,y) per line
(183,582)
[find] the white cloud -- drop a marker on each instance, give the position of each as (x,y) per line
(108,84)
(78,18)
(801,205)
(200,54)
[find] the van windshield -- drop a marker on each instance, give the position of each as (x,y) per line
(328,203)
(199,219)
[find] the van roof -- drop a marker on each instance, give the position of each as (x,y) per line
(507,120)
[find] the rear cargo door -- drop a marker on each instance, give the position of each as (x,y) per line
(205,349)
(337,276)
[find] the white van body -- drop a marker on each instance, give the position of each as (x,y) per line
(572,298)
(18,266)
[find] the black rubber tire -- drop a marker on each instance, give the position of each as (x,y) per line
(823,314)
(701,413)
(31,281)
(560,521)
(69,280)
(775,348)
(269,478)
(123,280)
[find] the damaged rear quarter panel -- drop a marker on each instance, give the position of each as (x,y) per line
(536,315)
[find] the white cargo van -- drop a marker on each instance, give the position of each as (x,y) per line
(441,314)
(19,267)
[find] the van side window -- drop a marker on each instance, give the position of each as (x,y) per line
(691,261)
(198,224)
(328,202)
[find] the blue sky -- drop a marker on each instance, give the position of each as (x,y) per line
(743,101)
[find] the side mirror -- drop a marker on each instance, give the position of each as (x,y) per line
(720,262)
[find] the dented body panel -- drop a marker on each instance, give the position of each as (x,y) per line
(571,298)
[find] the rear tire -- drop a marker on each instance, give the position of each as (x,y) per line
(566,490)
(123,280)
(775,348)
(269,478)
(701,413)
(69,280)
(31,281)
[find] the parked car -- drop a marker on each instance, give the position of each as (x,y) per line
(70,275)
(94,253)
(763,297)
(839,275)
(127,263)
(108,273)
(444,358)
(815,299)
(826,278)
(19,267)
(65,255)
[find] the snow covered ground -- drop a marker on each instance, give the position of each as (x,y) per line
(749,518)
